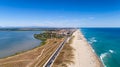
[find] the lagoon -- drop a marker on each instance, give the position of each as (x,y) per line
(12,42)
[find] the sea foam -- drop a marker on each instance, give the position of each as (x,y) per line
(102,56)
(92,40)
(111,51)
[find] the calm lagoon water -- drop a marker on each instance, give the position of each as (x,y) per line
(12,42)
(106,43)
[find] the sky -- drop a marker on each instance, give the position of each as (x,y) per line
(60,13)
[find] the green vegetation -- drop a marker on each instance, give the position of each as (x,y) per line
(47,35)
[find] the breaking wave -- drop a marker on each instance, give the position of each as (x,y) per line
(104,55)
(92,40)
(111,51)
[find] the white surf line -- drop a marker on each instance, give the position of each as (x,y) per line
(15,61)
(36,58)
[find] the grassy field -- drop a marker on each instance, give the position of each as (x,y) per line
(66,55)
(33,58)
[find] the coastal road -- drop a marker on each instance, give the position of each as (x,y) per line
(55,54)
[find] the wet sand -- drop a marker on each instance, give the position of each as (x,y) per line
(83,53)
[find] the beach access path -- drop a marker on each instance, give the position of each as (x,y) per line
(83,53)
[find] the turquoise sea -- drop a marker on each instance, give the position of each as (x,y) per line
(12,42)
(106,44)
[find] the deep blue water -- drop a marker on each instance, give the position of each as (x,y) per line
(106,43)
(12,42)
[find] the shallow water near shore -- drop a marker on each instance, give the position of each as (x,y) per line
(12,42)
(105,42)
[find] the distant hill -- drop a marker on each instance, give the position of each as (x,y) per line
(30,29)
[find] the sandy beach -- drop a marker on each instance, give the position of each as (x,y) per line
(83,53)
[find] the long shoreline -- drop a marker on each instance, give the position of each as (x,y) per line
(35,57)
(20,52)
(84,56)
